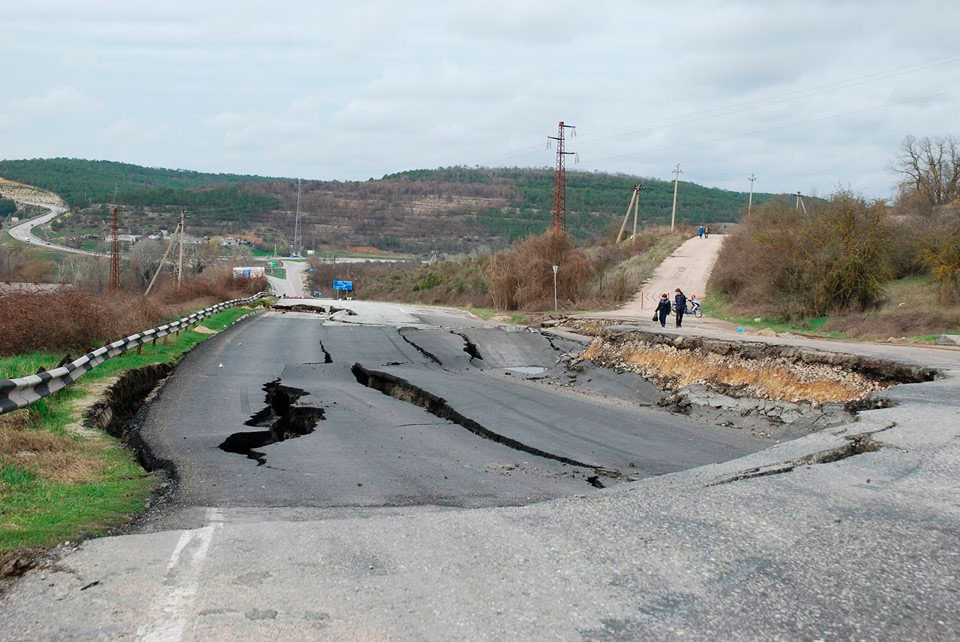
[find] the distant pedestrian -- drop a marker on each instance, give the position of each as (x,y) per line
(706,232)
(663,309)
(701,230)
(680,301)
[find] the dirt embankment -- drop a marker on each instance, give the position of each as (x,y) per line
(776,391)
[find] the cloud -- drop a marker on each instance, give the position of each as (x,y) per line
(352,90)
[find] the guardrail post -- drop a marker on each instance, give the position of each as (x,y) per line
(140,348)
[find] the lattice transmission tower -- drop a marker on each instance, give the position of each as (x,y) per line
(558,215)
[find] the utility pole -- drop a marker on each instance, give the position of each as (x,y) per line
(797,206)
(634,206)
(162,261)
(115,252)
(183,217)
(296,225)
(636,209)
(558,215)
(676,183)
(800,203)
(750,202)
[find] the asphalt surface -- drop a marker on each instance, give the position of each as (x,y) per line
(768,545)
(371,449)
(292,285)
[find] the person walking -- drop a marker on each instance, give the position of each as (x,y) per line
(706,231)
(680,301)
(700,231)
(663,309)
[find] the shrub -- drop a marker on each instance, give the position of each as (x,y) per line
(833,259)
(71,319)
(523,276)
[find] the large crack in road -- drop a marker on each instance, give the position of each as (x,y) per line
(282,418)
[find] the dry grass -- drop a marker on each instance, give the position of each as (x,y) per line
(759,378)
(59,458)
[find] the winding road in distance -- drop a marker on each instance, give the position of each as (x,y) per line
(24,231)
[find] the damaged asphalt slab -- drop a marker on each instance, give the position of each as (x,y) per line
(864,547)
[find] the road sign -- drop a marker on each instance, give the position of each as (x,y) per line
(343,285)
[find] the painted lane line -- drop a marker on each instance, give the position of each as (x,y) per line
(181,582)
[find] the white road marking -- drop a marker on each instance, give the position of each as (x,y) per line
(182,579)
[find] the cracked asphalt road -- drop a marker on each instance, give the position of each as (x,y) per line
(372,449)
(864,547)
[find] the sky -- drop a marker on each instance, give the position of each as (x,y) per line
(809,96)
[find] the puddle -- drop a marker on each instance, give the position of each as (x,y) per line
(527,370)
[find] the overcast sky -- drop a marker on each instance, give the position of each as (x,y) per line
(807,95)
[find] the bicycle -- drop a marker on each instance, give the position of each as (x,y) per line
(695,310)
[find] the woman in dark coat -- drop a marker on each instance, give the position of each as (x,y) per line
(663,309)
(680,300)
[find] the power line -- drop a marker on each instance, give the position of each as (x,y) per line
(778,127)
(766,101)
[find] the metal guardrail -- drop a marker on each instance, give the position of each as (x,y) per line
(23,391)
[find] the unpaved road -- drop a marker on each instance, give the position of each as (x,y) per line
(688,268)
(391,522)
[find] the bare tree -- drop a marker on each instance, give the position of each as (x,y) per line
(200,256)
(931,167)
(144,257)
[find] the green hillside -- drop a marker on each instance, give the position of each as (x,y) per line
(595,200)
(448,209)
(84,182)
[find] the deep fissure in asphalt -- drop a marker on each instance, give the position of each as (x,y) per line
(398,388)
(428,355)
(470,347)
(283,420)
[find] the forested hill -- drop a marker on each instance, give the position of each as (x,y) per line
(447,209)
(83,182)
(596,192)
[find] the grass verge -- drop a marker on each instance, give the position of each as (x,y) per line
(909,312)
(62,482)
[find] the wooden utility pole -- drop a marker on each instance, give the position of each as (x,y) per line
(183,217)
(635,207)
(626,217)
(750,202)
(162,261)
(676,184)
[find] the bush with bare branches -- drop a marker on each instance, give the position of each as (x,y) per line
(71,319)
(833,259)
(523,276)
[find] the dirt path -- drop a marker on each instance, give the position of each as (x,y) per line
(688,268)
